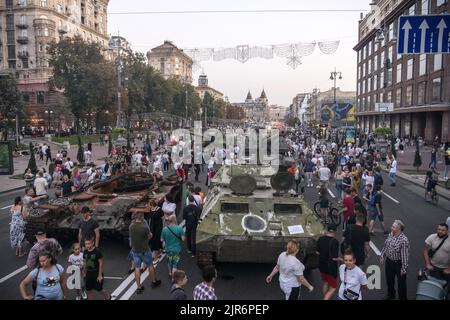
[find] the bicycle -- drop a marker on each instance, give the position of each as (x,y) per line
(434,196)
(333,214)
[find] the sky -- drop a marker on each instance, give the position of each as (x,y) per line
(216,30)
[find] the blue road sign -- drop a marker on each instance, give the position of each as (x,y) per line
(423,34)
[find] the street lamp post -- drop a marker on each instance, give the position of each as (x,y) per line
(115,43)
(186,103)
(48,113)
(333,76)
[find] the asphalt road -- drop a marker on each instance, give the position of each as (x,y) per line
(241,281)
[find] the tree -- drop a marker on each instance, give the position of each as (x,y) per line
(32,162)
(87,79)
(417,157)
(11,103)
(208,105)
(80,153)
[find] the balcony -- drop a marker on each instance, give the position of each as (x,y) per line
(63,29)
(22,39)
(22,25)
(23,54)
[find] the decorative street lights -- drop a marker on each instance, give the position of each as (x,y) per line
(333,76)
(48,113)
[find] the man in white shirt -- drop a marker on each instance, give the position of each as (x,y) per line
(393,171)
(324,176)
(40,184)
(68,165)
(87,156)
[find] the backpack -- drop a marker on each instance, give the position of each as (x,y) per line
(378,179)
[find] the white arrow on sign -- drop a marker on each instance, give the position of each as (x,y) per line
(441,26)
(424,27)
(407,27)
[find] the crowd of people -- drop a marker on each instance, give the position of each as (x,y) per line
(354,168)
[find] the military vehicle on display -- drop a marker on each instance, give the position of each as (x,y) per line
(251,212)
(112,202)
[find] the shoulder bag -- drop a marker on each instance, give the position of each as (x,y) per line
(349,294)
(174,234)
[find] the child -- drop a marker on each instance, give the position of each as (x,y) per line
(76,259)
(93,259)
(179,280)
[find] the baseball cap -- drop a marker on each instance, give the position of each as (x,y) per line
(331,227)
(39,232)
(85,210)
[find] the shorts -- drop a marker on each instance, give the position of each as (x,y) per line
(173,258)
(139,257)
(374,214)
(332,281)
(324,204)
(91,282)
(430,186)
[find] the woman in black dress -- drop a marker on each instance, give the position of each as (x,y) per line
(156,226)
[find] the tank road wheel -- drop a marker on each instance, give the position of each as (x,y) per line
(205,258)
(317,210)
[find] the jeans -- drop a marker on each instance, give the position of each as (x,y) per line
(392,177)
(309,176)
(432,162)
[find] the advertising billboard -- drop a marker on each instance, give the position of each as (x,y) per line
(339,114)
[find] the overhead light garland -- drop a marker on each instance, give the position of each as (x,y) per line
(292,52)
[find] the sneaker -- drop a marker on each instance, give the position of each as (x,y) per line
(78,298)
(84,294)
(130,271)
(140,290)
(156,283)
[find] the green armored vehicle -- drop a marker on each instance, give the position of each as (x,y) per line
(250,214)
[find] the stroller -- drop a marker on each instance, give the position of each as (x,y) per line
(431,288)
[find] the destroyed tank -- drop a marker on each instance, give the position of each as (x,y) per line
(250,214)
(112,203)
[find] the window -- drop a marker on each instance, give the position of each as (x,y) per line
(369,84)
(40,97)
(11,64)
(359,73)
(370,48)
(10,36)
(43,3)
(375,63)
(389,97)
(382,55)
(369,103)
(399,73)
(421,93)
(390,55)
(425,6)
(409,70)
(391,32)
(412,10)
(9,22)
(23,3)
(23,19)
(398,97)
(25,64)
(364,70)
(9,4)
(437,62)
(375,82)
(409,95)
(11,52)
(26,97)
(364,86)
(234,208)
(382,80)
(437,86)
(423,65)
(369,67)
(284,208)
(362,53)
(440,2)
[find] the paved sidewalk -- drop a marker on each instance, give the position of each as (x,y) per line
(407,172)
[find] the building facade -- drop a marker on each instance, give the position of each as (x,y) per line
(277,113)
(256,110)
(203,87)
(298,107)
(417,85)
(321,109)
(171,61)
(27,27)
